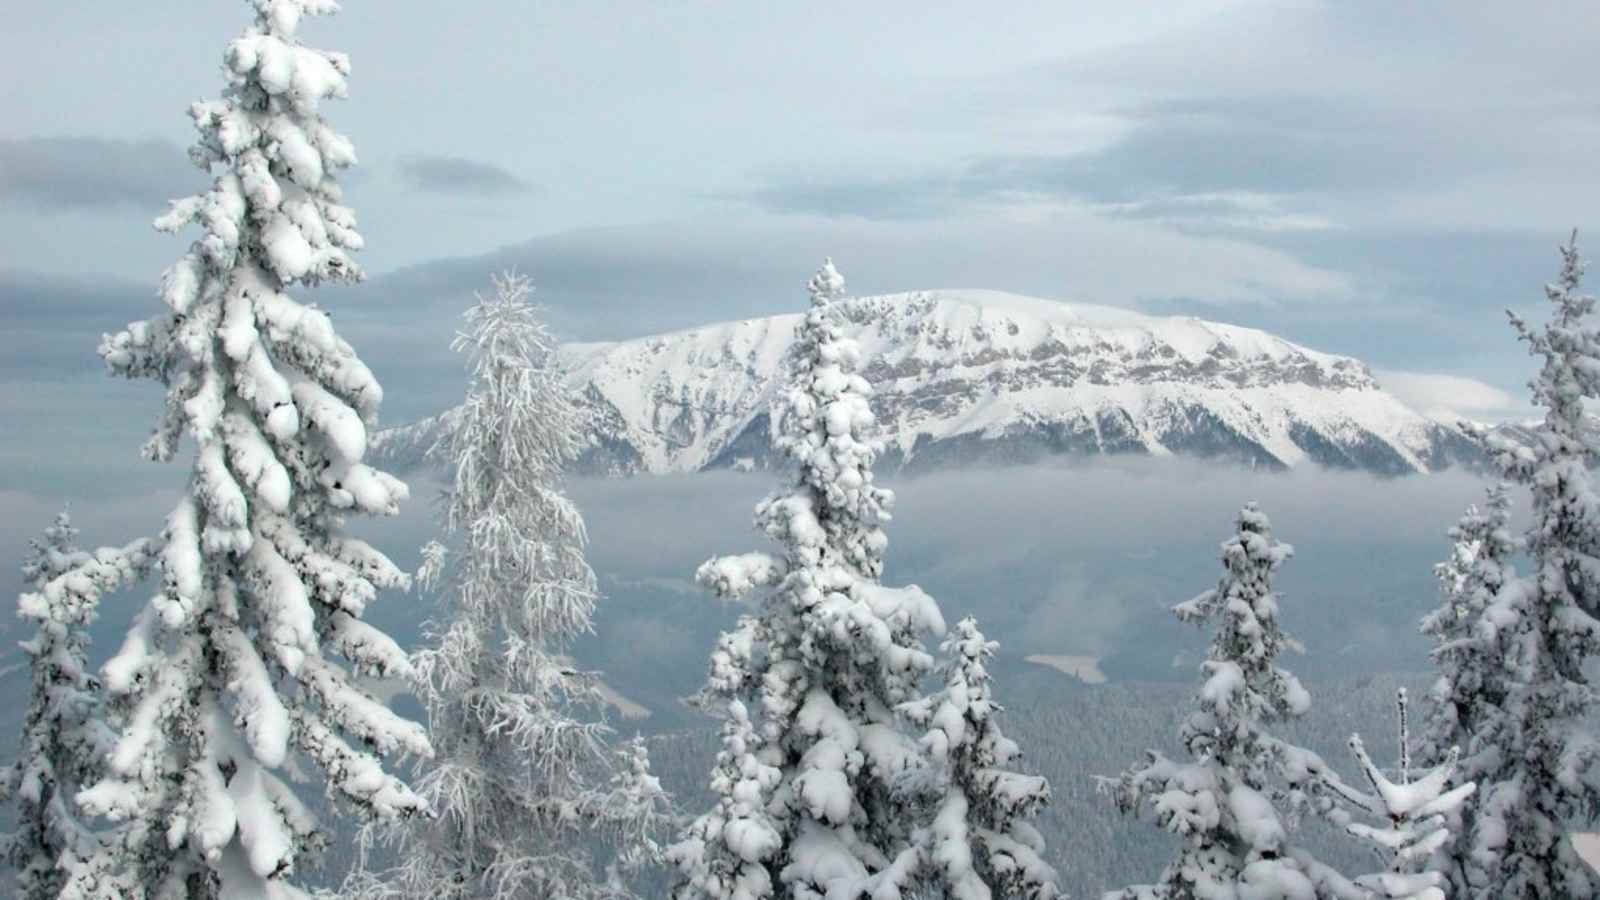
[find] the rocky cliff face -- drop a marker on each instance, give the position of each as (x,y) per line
(965,377)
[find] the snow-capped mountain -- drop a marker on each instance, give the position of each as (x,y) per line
(983,376)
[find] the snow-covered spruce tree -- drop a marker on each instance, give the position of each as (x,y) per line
(1466,713)
(1408,819)
(808,805)
(56,852)
(523,783)
(1540,630)
(231,667)
(1229,803)
(979,844)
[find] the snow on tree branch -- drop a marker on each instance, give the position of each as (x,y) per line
(1513,692)
(231,669)
(979,842)
(817,779)
(54,850)
(1232,805)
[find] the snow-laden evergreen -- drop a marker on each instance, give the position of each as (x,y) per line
(1408,818)
(231,676)
(55,850)
(808,805)
(1466,713)
(980,843)
(523,784)
(1535,773)
(1233,804)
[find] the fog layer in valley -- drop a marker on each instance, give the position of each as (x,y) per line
(1081,559)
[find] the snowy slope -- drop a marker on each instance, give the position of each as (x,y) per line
(984,376)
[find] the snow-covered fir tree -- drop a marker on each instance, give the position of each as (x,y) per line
(62,734)
(234,666)
(808,805)
(980,843)
(1466,712)
(1535,769)
(1407,818)
(55,851)
(523,784)
(1231,804)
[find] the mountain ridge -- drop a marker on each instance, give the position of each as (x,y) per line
(977,376)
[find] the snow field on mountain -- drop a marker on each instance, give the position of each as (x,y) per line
(949,364)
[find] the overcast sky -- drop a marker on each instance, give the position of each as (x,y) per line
(1377,179)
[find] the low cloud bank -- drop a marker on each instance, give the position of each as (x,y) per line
(980,518)
(1086,558)
(1083,558)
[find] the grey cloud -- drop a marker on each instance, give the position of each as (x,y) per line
(983,517)
(1433,300)
(69,425)
(593,285)
(1189,154)
(1055,559)
(928,197)
(1273,145)
(626,282)
(1081,558)
(459,175)
(77,173)
(52,324)
(37,295)
(610,283)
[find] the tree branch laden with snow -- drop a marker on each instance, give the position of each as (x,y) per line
(1526,741)
(232,666)
(66,735)
(809,802)
(1467,718)
(1232,806)
(980,843)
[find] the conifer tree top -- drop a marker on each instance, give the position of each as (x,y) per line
(806,780)
(825,425)
(1229,804)
(1244,682)
(827,285)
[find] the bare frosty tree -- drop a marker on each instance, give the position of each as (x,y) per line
(524,783)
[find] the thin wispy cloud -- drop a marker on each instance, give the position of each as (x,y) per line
(1264,162)
(1068,558)
(459,175)
(1451,398)
(50,324)
(79,173)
